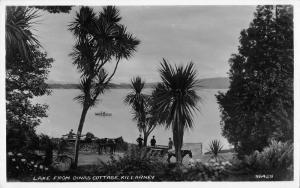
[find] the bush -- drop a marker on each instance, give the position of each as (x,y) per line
(25,164)
(276,160)
(89,137)
(215,147)
(135,162)
(138,162)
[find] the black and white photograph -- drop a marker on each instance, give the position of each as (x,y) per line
(148,93)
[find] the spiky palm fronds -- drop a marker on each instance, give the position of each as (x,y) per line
(215,147)
(100,38)
(18,36)
(91,88)
(176,95)
(175,99)
(137,100)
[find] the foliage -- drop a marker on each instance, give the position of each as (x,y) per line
(100,39)
(89,137)
(27,67)
(55,9)
(45,144)
(135,162)
(211,171)
(25,164)
(141,107)
(258,106)
(276,159)
(18,35)
(138,162)
(25,80)
(215,148)
(62,146)
(175,99)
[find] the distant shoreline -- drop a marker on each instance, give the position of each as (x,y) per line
(208,83)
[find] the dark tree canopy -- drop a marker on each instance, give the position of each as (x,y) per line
(55,9)
(25,80)
(27,67)
(141,106)
(258,106)
(100,39)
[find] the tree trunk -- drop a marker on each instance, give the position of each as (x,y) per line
(145,138)
(177,144)
(79,130)
(178,140)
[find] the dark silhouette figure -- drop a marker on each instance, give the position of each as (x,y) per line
(140,141)
(170,145)
(70,135)
(153,142)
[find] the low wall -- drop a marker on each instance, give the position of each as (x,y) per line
(196,148)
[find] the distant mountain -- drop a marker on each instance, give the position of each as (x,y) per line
(215,83)
(207,83)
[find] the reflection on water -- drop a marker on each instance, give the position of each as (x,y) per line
(64,114)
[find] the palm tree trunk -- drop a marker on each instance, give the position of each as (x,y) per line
(177,144)
(178,130)
(145,138)
(79,130)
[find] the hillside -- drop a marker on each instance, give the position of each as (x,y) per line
(207,83)
(215,83)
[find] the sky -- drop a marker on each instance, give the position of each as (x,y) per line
(206,35)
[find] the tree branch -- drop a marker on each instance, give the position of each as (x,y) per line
(151,128)
(115,69)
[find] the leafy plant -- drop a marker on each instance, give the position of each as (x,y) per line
(175,99)
(259,104)
(141,106)
(25,164)
(89,137)
(215,148)
(135,162)
(276,159)
(100,39)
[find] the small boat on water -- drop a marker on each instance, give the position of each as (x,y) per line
(103,114)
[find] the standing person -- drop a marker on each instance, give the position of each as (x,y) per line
(153,142)
(170,143)
(70,135)
(140,141)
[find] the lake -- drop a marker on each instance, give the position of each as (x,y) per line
(64,114)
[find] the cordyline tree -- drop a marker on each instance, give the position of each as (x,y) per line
(258,106)
(100,39)
(175,99)
(141,106)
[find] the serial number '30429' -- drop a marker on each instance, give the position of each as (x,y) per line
(264,176)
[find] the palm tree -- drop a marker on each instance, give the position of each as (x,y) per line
(141,106)
(18,36)
(215,147)
(101,39)
(175,99)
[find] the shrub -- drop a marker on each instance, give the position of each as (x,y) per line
(215,148)
(276,159)
(89,137)
(138,162)
(134,162)
(25,164)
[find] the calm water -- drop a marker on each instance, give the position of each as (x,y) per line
(64,114)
